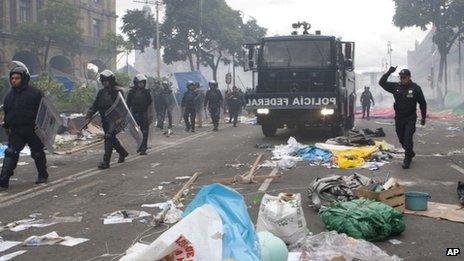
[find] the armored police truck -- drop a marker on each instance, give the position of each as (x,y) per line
(304,81)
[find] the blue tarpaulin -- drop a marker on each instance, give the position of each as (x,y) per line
(239,241)
(183,77)
(67,83)
(313,154)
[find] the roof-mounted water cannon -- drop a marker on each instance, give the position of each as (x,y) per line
(304,25)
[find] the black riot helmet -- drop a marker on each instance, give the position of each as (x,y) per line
(139,78)
(24,72)
(109,76)
(213,84)
(190,84)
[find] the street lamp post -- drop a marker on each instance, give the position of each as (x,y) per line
(389,51)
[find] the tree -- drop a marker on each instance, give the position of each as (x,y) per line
(140,27)
(208,40)
(57,26)
(447,19)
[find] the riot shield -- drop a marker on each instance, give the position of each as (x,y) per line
(120,118)
(47,122)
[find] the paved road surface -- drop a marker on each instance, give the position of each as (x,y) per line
(77,187)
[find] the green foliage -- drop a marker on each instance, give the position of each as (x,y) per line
(123,79)
(52,89)
(81,98)
(140,27)
(58,26)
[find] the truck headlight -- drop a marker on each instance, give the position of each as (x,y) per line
(264,111)
(327,112)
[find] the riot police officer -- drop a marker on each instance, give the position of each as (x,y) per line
(104,100)
(213,102)
(235,100)
(188,106)
(21,106)
(407,94)
(366,99)
(158,103)
(138,100)
(168,101)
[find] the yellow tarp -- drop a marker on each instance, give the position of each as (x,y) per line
(354,157)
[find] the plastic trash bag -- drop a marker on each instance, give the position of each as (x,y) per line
(363,219)
(282,216)
(239,241)
(196,237)
(331,245)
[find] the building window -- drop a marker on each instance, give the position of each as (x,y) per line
(96,28)
(25,11)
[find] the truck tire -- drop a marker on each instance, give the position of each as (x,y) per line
(269,131)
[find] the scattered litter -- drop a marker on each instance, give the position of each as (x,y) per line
(154,165)
(325,191)
(395,241)
(453,128)
(102,194)
(449,212)
(283,216)
(198,234)
(334,246)
(52,239)
(165,182)
(235,166)
(24,224)
(363,219)
(12,255)
(5,245)
(272,247)
(123,216)
(264,146)
(183,177)
(239,241)
(22,163)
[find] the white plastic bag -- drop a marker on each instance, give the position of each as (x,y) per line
(196,237)
(282,216)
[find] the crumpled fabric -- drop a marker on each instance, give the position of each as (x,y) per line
(286,150)
(315,155)
(353,138)
(325,191)
(378,133)
(363,219)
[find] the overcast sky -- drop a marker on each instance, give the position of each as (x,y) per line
(366,22)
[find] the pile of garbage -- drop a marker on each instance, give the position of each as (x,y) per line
(357,150)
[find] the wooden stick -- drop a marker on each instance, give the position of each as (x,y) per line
(79,148)
(239,179)
(248,178)
(176,199)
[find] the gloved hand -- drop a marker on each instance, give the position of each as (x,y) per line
(392,69)
(422,122)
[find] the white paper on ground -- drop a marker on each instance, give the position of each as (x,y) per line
(156,205)
(294,256)
(202,228)
(12,255)
(72,241)
(183,177)
(5,245)
(110,221)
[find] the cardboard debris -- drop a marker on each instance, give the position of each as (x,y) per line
(5,245)
(449,212)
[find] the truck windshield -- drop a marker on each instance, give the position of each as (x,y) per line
(299,53)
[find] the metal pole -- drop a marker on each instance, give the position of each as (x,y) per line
(200,35)
(233,70)
(158,51)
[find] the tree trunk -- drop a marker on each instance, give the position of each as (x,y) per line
(47,51)
(192,66)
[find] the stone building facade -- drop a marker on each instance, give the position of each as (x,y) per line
(97,18)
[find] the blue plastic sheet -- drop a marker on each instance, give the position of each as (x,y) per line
(239,241)
(183,77)
(314,154)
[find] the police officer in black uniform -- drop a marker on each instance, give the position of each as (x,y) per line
(168,103)
(366,99)
(158,103)
(138,100)
(407,94)
(105,98)
(235,100)
(188,106)
(213,102)
(21,105)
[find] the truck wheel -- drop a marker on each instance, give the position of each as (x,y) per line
(350,122)
(269,131)
(338,131)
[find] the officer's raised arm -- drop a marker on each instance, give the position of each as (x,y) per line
(383,82)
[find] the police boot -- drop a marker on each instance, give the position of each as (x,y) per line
(406,162)
(41,165)
(105,164)
(123,154)
(9,164)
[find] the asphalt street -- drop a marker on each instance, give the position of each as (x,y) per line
(76,187)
